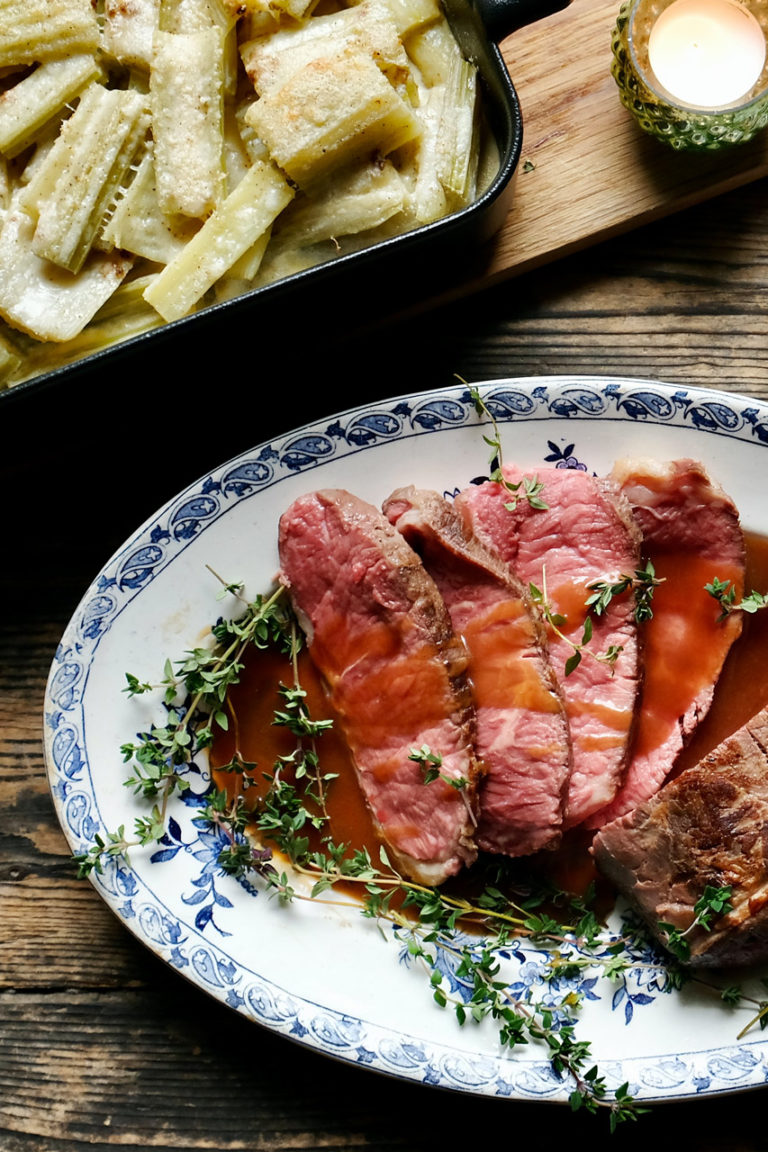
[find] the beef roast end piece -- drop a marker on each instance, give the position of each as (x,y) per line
(380,635)
(707,827)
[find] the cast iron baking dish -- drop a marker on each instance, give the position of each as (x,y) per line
(390,275)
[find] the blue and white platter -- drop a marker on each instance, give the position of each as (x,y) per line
(322,974)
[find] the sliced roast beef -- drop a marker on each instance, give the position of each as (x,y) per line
(706,827)
(584,534)
(691,533)
(380,635)
(522,734)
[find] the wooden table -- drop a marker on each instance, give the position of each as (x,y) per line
(102,1046)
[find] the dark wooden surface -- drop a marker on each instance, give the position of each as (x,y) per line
(101,1046)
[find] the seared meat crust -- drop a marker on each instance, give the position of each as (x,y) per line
(709,826)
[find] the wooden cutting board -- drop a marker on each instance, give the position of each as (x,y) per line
(587,170)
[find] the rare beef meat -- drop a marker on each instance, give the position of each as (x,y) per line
(584,534)
(379,633)
(522,734)
(706,827)
(692,535)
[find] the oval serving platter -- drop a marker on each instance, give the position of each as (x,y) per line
(322,975)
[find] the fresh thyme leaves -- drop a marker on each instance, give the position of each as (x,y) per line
(529,488)
(520,1018)
(431,764)
(195,698)
(601,593)
(713,902)
(557,622)
(231,814)
(724,591)
(115,844)
(642,583)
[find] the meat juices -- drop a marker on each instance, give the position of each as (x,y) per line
(379,633)
(709,826)
(522,735)
(691,532)
(585,534)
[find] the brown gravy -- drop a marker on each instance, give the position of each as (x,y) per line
(258,740)
(742,690)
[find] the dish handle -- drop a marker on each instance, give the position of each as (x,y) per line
(503,17)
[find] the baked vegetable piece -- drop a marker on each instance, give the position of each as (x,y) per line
(186,89)
(243,218)
(71,192)
(32,31)
(32,103)
(334,110)
(44,301)
(129,31)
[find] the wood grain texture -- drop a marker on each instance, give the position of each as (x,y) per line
(101,1046)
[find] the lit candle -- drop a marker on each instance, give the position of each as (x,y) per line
(707,53)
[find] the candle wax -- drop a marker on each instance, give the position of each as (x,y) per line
(707,53)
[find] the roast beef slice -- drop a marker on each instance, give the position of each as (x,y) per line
(692,534)
(381,637)
(586,533)
(522,733)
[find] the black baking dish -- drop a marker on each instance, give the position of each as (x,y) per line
(391,275)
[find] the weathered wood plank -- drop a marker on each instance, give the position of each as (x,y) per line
(163,1068)
(56,933)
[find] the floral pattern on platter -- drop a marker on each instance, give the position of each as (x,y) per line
(195,931)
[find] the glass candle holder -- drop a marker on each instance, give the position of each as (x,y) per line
(701,61)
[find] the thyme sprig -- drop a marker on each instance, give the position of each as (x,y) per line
(519,1018)
(724,592)
(641,583)
(557,622)
(601,594)
(733,995)
(528,488)
(195,696)
(713,902)
(431,763)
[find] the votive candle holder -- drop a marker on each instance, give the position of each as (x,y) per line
(683,125)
